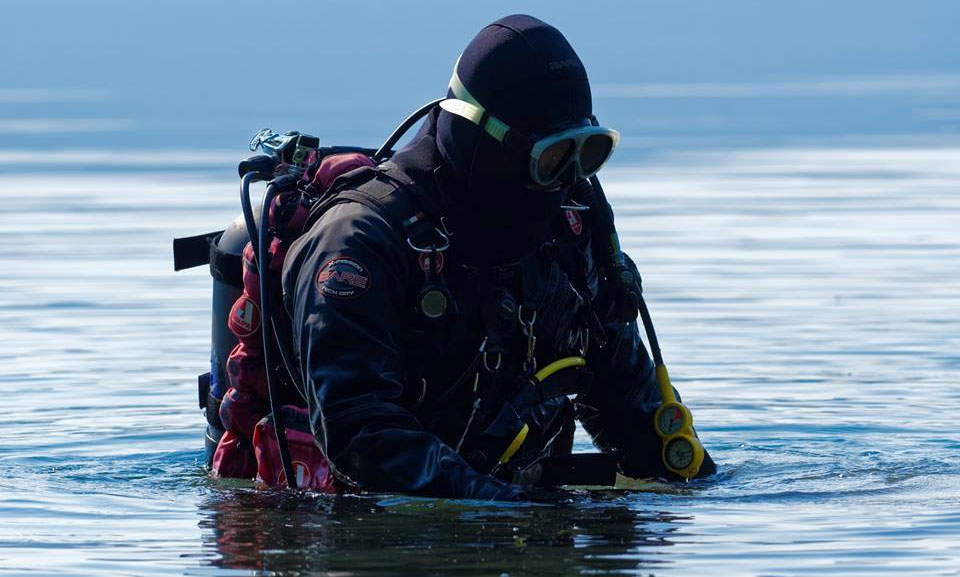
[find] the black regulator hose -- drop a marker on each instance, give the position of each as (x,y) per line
(682,453)
(651,333)
(266,327)
(607,250)
(258,241)
(248,219)
(419,113)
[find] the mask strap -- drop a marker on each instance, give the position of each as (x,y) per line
(466,106)
(477,115)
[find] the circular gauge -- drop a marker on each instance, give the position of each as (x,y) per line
(433,303)
(679,453)
(671,419)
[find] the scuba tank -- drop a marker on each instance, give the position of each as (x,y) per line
(285,162)
(223,251)
(226,288)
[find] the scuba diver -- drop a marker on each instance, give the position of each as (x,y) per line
(434,323)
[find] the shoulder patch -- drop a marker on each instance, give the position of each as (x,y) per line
(343,278)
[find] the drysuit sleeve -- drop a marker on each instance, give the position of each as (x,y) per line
(345,289)
(618,410)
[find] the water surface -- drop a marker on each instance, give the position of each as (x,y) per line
(788,183)
(806,300)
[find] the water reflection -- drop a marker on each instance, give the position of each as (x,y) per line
(287,533)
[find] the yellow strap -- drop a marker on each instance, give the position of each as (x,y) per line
(515,444)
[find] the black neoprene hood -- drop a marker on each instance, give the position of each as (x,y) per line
(524,71)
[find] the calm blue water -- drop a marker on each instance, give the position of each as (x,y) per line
(788,185)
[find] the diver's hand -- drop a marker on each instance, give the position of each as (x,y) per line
(510,492)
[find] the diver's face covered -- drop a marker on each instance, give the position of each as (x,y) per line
(515,132)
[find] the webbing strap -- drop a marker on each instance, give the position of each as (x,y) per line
(565,383)
(192,251)
(293,419)
(375,188)
(203,389)
(225,267)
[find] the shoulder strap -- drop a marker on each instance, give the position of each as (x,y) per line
(399,199)
(384,189)
(361,185)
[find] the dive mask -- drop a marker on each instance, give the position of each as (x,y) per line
(587,147)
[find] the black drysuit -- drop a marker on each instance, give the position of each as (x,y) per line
(379,375)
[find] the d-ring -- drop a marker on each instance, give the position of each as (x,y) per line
(431,248)
(486,362)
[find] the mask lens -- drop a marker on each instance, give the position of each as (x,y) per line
(596,150)
(553,160)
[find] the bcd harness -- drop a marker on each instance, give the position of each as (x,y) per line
(390,193)
(393,195)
